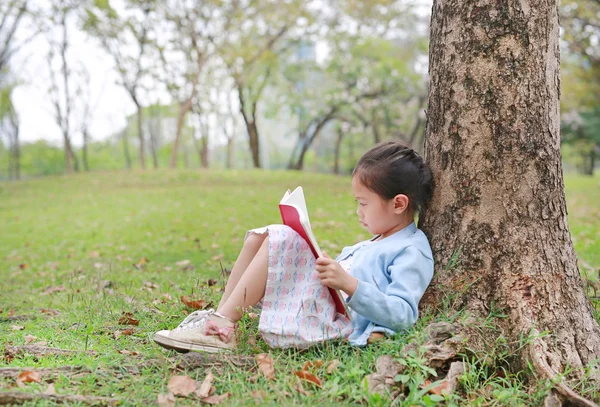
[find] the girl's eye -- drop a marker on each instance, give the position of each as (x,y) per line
(362,204)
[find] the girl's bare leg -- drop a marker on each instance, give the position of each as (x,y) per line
(250,288)
(251,246)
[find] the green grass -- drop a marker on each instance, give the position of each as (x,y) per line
(87,235)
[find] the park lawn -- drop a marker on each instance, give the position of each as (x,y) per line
(77,252)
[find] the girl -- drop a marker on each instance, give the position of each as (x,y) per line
(383,278)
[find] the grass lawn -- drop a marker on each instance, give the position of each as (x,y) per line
(78,252)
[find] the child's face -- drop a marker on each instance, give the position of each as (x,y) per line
(379,216)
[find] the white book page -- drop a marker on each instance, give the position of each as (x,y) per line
(296,199)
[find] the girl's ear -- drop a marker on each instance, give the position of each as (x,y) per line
(400,203)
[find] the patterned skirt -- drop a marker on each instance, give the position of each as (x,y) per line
(297,309)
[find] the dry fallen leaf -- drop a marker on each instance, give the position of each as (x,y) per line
(28,376)
(333,365)
(252,315)
(128,352)
(443,388)
(52,290)
(303,374)
(215,399)
(212,281)
(181,385)
(197,304)
(182,263)
(218,257)
(128,319)
(17,327)
(50,389)
(266,366)
(29,338)
(150,285)
(166,400)
(204,390)
(94,254)
(312,364)
(50,312)
(301,390)
(259,394)
(23,266)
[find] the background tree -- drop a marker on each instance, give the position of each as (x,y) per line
(61,92)
(127,39)
(493,139)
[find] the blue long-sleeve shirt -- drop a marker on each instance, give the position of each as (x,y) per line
(392,274)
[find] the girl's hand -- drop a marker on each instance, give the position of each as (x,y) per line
(334,276)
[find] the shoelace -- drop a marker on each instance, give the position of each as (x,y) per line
(194,320)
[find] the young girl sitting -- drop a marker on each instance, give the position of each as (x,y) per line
(383,278)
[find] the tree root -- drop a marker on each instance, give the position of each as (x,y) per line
(11,352)
(13,372)
(539,358)
(15,397)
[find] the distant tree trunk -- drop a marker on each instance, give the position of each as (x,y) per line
(251,128)
(140,133)
(154,146)
(230,152)
(184,108)
(69,156)
(338,147)
(493,142)
(306,140)
(201,144)
(126,149)
(84,150)
(16,144)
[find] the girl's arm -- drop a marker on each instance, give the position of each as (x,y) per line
(398,307)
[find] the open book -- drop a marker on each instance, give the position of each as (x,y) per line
(295,215)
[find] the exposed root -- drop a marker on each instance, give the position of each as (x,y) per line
(539,356)
(11,352)
(16,398)
(13,372)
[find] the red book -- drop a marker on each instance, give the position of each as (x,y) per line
(295,215)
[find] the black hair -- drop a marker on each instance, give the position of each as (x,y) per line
(391,168)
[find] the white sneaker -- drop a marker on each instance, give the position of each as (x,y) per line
(201,331)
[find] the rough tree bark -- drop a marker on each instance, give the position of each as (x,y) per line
(493,142)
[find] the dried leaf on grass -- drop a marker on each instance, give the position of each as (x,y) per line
(166,400)
(50,312)
(309,364)
(128,319)
(128,352)
(182,263)
(54,289)
(309,377)
(27,376)
(259,395)
(193,304)
(205,387)
(441,389)
(216,399)
(266,365)
(17,327)
(29,338)
(50,389)
(181,385)
(333,365)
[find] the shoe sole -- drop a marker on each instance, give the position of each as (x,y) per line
(180,346)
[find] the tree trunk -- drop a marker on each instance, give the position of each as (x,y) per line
(338,147)
(126,149)
(141,135)
(184,108)
(84,151)
(230,151)
(251,128)
(68,153)
(493,142)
